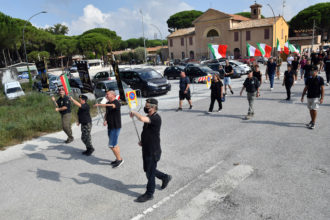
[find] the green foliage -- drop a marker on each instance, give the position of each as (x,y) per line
(247,14)
(38,55)
(183,19)
(133,43)
(111,36)
(139,53)
(58,29)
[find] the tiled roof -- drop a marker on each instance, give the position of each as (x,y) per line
(182,32)
(155,49)
(239,17)
(254,23)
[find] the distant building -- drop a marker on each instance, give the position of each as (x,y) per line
(216,27)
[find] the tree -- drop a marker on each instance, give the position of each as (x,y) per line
(38,56)
(93,42)
(58,29)
(114,39)
(247,14)
(139,54)
(182,19)
(318,13)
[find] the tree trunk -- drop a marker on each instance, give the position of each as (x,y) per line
(4,57)
(9,58)
(62,63)
(17,54)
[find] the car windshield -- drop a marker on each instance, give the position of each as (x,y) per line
(206,69)
(13,90)
(150,74)
(113,85)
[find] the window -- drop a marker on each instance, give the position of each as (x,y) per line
(254,11)
(172,56)
(282,33)
(212,33)
(190,41)
(182,41)
(183,55)
(248,35)
(192,54)
(235,36)
(266,34)
(171,42)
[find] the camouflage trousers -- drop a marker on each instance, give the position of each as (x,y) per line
(66,125)
(86,135)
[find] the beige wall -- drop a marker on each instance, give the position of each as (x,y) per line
(177,48)
(281,25)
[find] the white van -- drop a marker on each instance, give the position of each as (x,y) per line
(13,90)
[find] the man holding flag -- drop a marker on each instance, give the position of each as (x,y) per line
(63,106)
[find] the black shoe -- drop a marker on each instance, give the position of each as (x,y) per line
(190,107)
(118,163)
(309,124)
(312,126)
(113,162)
(89,151)
(69,140)
(179,109)
(232,92)
(166,181)
(84,152)
(143,198)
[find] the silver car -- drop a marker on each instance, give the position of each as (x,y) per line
(102,86)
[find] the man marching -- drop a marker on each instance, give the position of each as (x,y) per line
(84,118)
(151,150)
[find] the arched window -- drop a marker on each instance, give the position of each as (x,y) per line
(212,33)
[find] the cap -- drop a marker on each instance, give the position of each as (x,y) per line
(83,97)
(152,101)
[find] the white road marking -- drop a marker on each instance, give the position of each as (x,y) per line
(164,200)
(216,193)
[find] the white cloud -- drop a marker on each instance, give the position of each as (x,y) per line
(128,22)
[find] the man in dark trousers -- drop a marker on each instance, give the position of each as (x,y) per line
(63,106)
(271,68)
(84,118)
(314,87)
(294,68)
(327,68)
(184,92)
(151,150)
(251,84)
(288,81)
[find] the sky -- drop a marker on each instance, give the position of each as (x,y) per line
(124,16)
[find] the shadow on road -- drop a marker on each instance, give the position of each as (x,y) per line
(52,140)
(282,124)
(108,183)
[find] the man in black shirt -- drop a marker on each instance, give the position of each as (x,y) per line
(227,81)
(288,81)
(257,74)
(251,84)
(327,68)
(151,150)
(112,118)
(84,118)
(308,69)
(294,68)
(314,87)
(63,106)
(184,92)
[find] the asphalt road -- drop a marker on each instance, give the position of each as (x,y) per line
(223,167)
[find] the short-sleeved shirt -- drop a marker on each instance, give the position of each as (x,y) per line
(295,65)
(257,75)
(290,59)
(251,84)
(271,67)
(308,69)
(228,69)
(84,116)
(289,76)
(216,88)
(65,101)
(150,136)
(302,63)
(314,86)
(113,115)
(183,83)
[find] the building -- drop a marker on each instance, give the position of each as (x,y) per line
(216,27)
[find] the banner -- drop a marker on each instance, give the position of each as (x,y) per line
(43,75)
(132,100)
(82,68)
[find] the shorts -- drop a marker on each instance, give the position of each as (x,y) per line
(227,81)
(183,95)
(313,103)
(302,72)
(113,135)
(278,69)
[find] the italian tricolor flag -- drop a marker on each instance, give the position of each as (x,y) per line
(65,83)
(278,47)
(290,48)
(218,51)
(265,49)
(252,51)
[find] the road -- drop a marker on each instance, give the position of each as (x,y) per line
(223,167)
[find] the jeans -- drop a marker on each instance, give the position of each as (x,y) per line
(213,98)
(149,166)
(250,98)
(271,79)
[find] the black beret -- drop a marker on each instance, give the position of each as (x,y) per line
(83,97)
(152,101)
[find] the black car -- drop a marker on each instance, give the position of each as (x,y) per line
(215,67)
(195,71)
(103,75)
(149,81)
(76,83)
(173,72)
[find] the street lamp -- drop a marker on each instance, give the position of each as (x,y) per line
(274,27)
(27,62)
(144,40)
(161,36)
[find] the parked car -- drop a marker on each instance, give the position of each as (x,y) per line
(74,68)
(195,71)
(149,81)
(173,72)
(102,86)
(103,75)
(13,90)
(24,75)
(215,66)
(247,60)
(245,69)
(262,60)
(76,83)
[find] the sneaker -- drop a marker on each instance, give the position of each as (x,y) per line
(113,162)
(225,94)
(219,110)
(247,117)
(69,140)
(89,152)
(312,126)
(118,163)
(209,112)
(309,124)
(232,92)
(179,109)
(143,198)
(271,89)
(190,107)
(327,84)
(166,181)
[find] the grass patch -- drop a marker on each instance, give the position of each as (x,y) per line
(30,116)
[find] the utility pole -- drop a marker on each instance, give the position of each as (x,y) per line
(144,40)
(283,6)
